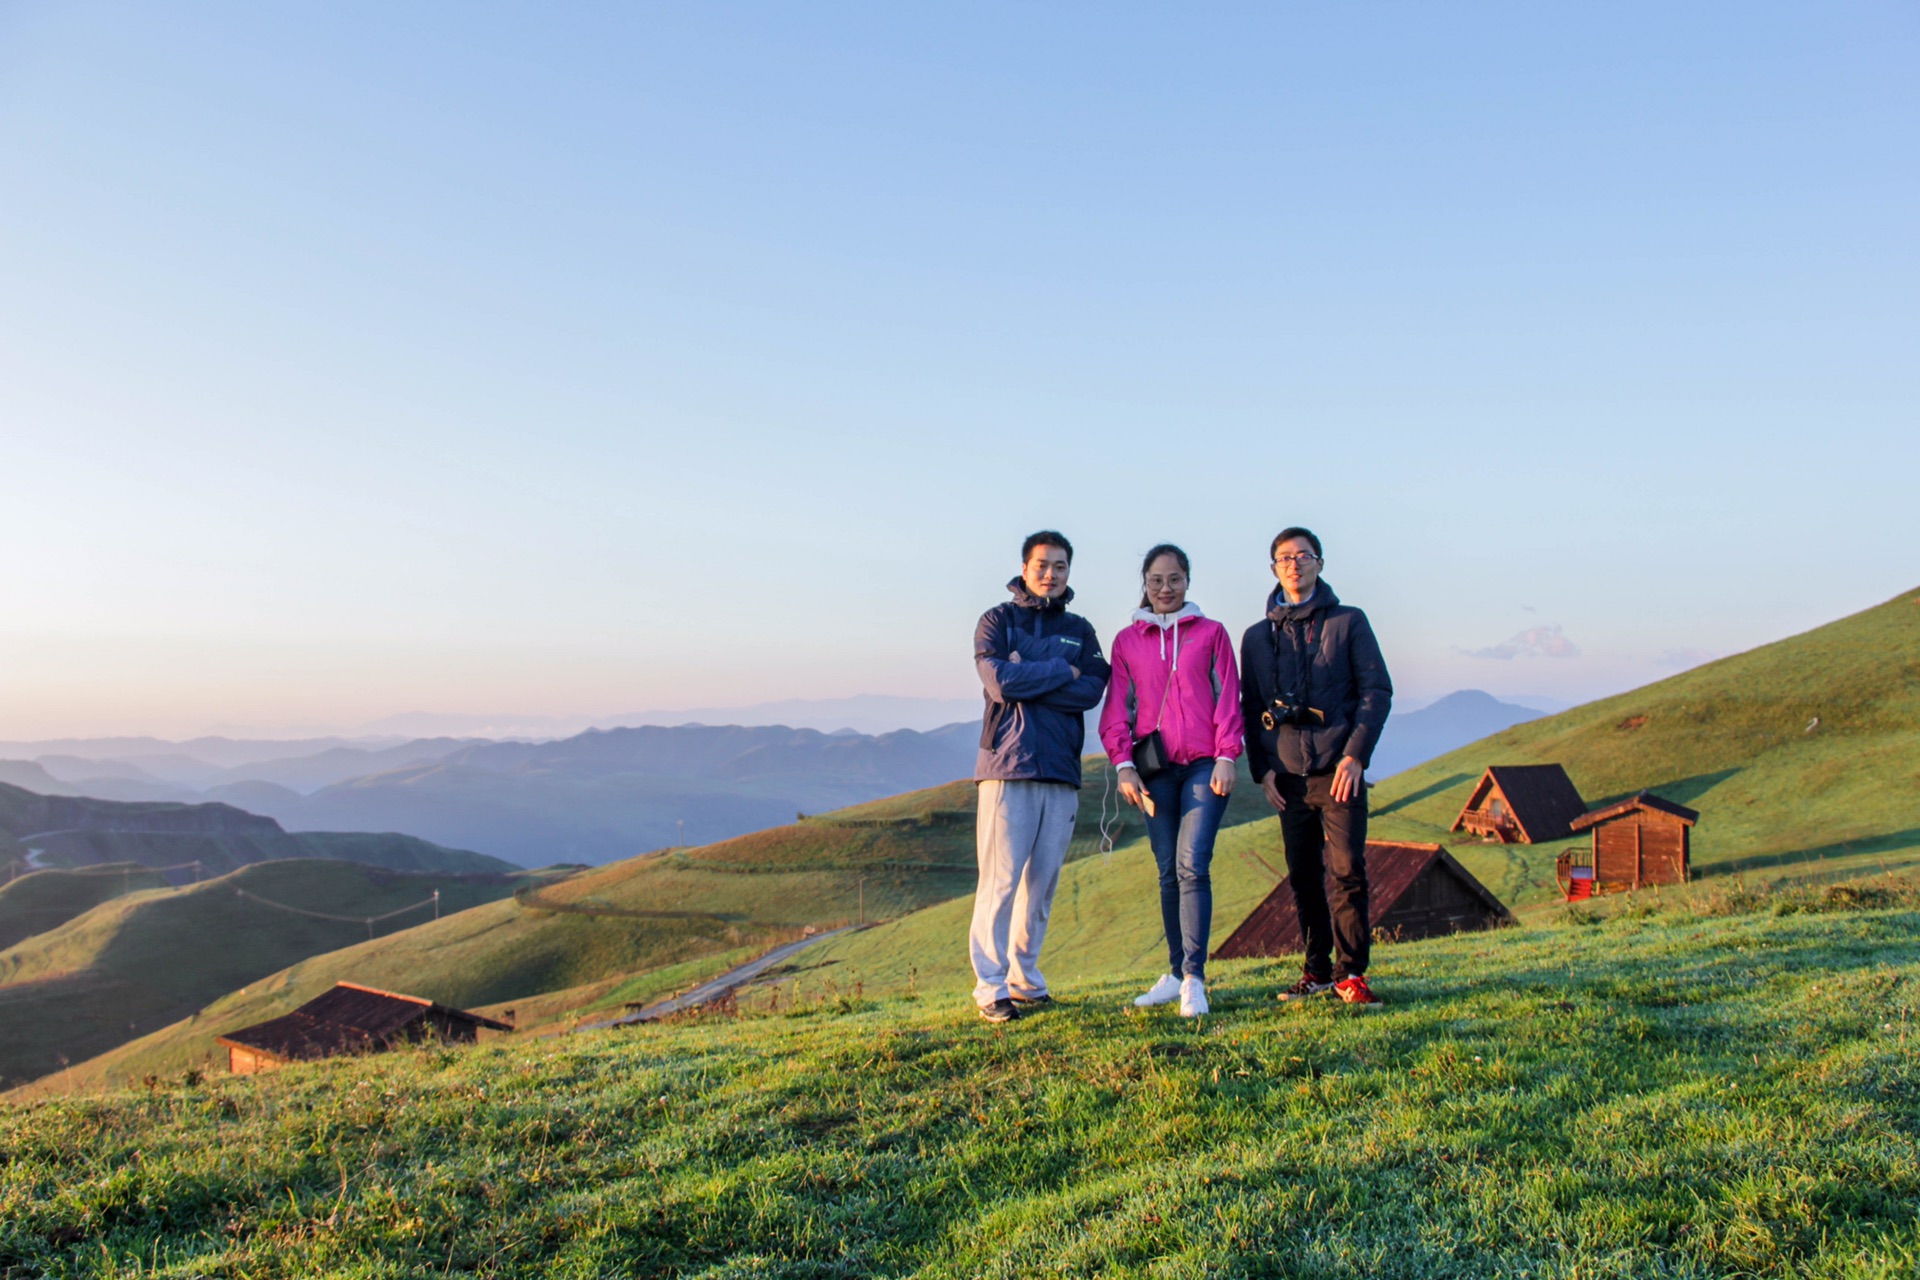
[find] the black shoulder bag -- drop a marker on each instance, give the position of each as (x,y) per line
(1150,753)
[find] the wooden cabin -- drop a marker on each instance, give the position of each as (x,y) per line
(1416,891)
(349,1019)
(1640,841)
(1522,804)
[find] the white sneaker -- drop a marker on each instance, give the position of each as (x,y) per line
(1165,991)
(1193,997)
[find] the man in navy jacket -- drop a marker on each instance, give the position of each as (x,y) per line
(1042,672)
(1314,693)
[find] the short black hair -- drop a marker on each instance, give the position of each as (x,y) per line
(1295,531)
(1045,538)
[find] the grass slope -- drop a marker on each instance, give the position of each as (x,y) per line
(584,946)
(1731,739)
(43,900)
(147,959)
(1776,802)
(1672,1094)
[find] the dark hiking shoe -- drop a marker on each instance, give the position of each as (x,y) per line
(1027,1004)
(1306,989)
(1000,1011)
(1354,991)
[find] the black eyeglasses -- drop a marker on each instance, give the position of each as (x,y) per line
(1305,557)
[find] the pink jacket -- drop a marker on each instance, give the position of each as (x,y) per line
(1200,715)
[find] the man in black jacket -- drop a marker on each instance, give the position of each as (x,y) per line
(1314,693)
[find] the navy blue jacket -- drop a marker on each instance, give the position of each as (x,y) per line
(1323,652)
(1034,728)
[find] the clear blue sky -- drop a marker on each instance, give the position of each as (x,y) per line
(358,358)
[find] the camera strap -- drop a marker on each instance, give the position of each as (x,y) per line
(1281,688)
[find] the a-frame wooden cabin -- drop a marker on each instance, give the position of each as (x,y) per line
(1417,891)
(1522,804)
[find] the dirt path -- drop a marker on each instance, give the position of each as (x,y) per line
(714,988)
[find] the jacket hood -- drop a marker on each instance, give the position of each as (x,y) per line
(1147,622)
(1027,600)
(1278,610)
(1147,619)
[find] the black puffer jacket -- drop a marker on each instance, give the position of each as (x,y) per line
(1324,652)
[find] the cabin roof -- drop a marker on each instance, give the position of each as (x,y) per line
(1645,800)
(1393,867)
(1541,797)
(347,1018)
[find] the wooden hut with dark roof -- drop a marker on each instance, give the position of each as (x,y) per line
(1522,804)
(1416,890)
(1642,840)
(349,1019)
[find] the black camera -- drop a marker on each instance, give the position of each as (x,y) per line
(1286,710)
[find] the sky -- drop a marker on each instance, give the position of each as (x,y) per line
(359,359)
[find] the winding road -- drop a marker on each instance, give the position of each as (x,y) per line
(712,989)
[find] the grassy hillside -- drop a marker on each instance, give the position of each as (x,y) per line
(42,900)
(1736,739)
(1732,738)
(631,930)
(1775,801)
(149,958)
(1673,1094)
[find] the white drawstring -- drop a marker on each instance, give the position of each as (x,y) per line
(1106,836)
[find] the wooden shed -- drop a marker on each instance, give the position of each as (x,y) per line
(1416,891)
(1640,841)
(1522,804)
(349,1019)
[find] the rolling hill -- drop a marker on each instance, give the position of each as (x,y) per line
(1803,757)
(43,900)
(610,794)
(148,958)
(586,943)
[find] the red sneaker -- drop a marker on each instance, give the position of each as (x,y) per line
(1354,990)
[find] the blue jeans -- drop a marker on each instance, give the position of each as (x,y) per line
(1186,816)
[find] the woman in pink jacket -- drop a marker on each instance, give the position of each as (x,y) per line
(1174,674)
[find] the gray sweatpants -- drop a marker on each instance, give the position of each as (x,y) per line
(1022,833)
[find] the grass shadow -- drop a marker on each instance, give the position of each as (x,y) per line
(1885,843)
(1426,792)
(1679,790)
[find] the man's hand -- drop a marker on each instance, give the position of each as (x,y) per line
(1074,669)
(1348,780)
(1271,785)
(1132,790)
(1224,776)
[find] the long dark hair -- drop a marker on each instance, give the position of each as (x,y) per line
(1164,549)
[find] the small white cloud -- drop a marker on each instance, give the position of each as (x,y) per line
(1534,642)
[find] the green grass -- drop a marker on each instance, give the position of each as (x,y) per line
(1649,1091)
(149,958)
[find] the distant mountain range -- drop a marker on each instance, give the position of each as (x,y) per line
(39,831)
(1414,737)
(601,794)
